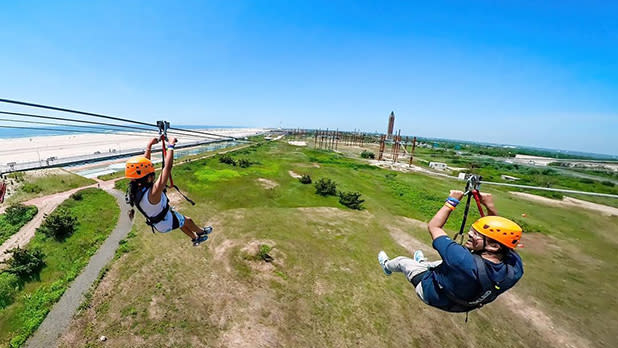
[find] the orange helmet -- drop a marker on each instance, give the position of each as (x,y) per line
(138,167)
(504,231)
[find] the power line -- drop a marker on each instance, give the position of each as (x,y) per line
(107,117)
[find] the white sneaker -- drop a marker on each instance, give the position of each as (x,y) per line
(419,256)
(382,259)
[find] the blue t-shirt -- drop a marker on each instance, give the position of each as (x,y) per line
(458,273)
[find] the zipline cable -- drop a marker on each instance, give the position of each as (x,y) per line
(116,131)
(74,111)
(53,129)
(107,117)
(21,114)
(76,120)
(551,189)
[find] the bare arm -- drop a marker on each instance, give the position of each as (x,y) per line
(436,224)
(488,201)
(148,150)
(159,185)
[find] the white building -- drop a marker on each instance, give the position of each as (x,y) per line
(438,165)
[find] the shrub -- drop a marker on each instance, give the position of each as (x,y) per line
(9,286)
(25,263)
(351,200)
(227,159)
(263,252)
(19,214)
(244,163)
(326,187)
(77,196)
(586,181)
(608,183)
(31,188)
(59,224)
(368,154)
(305,179)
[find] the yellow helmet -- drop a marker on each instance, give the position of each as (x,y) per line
(502,230)
(138,167)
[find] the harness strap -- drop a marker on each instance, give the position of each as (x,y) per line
(151,220)
(163,130)
(489,289)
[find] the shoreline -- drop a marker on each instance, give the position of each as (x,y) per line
(56,147)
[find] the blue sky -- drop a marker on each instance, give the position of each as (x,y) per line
(519,72)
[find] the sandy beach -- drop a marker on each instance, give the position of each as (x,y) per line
(41,148)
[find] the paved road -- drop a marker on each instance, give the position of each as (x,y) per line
(59,318)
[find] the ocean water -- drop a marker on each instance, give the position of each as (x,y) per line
(63,130)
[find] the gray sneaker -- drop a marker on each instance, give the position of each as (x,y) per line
(382,259)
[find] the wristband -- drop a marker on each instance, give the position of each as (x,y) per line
(170,147)
(452,201)
(448,205)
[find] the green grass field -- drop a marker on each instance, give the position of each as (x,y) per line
(7,228)
(324,287)
(43,185)
(97,213)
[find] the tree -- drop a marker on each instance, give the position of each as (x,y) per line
(326,187)
(25,263)
(244,163)
(227,159)
(305,179)
(15,214)
(351,200)
(368,154)
(60,224)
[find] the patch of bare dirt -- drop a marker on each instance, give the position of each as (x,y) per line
(267,184)
(315,165)
(294,174)
(258,265)
(531,313)
(537,243)
(570,202)
(248,330)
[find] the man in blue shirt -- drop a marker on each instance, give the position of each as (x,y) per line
(468,276)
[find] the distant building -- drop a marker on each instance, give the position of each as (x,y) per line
(438,165)
(391,125)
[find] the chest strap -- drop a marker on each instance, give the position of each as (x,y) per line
(489,290)
(151,220)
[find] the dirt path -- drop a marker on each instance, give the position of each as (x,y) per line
(526,310)
(570,202)
(59,318)
(46,205)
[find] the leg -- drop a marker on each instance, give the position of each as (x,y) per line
(188,232)
(191,225)
(407,266)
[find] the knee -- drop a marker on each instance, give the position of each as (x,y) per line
(188,219)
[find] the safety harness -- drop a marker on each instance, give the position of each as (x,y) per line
(163,127)
(489,289)
(151,220)
(473,186)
